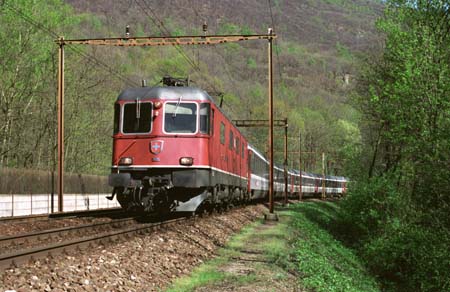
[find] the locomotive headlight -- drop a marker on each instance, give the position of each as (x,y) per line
(157,105)
(188,161)
(126,161)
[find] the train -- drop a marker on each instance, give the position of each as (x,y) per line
(176,150)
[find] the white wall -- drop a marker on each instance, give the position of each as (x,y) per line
(27,204)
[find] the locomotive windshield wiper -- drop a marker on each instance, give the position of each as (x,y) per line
(138,113)
(176,107)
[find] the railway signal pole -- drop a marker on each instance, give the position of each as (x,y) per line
(300,164)
(276,123)
(154,41)
(60,126)
(271,164)
(323,176)
(285,161)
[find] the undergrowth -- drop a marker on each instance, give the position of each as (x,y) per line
(323,262)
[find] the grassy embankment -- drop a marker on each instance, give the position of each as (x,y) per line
(298,252)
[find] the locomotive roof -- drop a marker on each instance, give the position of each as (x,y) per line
(166,92)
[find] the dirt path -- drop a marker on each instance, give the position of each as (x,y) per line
(249,262)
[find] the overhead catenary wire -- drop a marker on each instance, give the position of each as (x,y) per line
(276,50)
(155,19)
(76,50)
(160,24)
(227,71)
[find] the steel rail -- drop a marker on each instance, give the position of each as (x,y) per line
(59,232)
(62,215)
(87,213)
(16,258)
(24,218)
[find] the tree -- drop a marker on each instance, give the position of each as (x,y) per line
(404,98)
(27,67)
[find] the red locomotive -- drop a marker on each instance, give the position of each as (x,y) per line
(175,150)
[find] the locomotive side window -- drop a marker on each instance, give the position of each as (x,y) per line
(222,133)
(116,118)
(180,118)
(243,150)
(238,145)
(211,123)
(231,144)
(204,118)
(137,117)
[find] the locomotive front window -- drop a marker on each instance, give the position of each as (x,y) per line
(180,118)
(137,117)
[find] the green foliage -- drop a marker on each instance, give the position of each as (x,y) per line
(369,206)
(343,51)
(229,28)
(296,49)
(203,275)
(246,30)
(251,63)
(27,67)
(415,258)
(324,262)
(400,213)
(239,67)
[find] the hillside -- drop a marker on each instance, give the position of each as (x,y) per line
(315,50)
(322,23)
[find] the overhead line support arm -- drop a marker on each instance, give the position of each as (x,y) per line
(165,41)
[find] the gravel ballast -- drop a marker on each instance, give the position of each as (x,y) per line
(142,263)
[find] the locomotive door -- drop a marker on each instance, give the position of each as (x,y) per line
(231,161)
(223,148)
(214,145)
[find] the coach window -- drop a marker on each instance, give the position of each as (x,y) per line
(204,118)
(222,133)
(231,144)
(137,117)
(180,117)
(116,118)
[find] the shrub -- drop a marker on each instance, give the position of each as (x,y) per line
(369,206)
(411,258)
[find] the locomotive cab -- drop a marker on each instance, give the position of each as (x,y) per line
(161,148)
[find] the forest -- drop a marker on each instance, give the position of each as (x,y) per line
(365,82)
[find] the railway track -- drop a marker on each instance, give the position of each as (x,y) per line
(14,258)
(17,241)
(63,215)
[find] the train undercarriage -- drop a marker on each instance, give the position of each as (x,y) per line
(175,190)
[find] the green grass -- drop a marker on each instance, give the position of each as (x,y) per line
(204,275)
(301,243)
(323,262)
(209,273)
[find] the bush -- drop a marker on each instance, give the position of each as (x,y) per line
(411,258)
(394,236)
(369,206)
